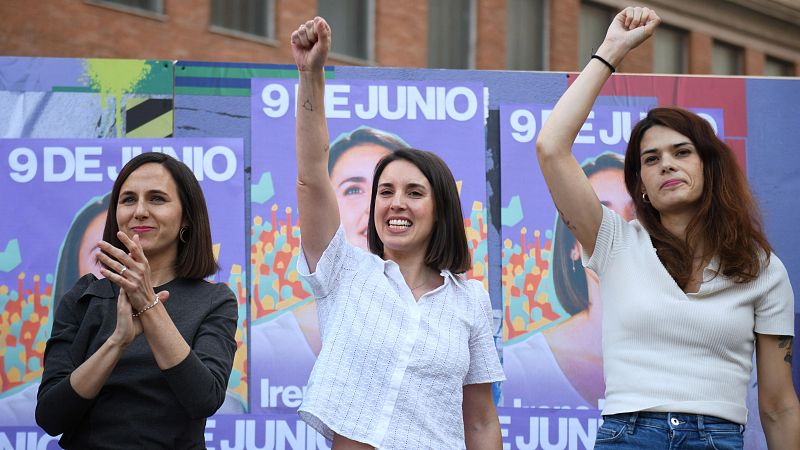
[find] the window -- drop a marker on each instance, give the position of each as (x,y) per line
(669,50)
(451,34)
(775,67)
(156,6)
(525,37)
(251,17)
(726,59)
(594,22)
(352,21)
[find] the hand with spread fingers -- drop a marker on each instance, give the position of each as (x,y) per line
(130,271)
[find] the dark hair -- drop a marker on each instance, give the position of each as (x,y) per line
(67,268)
(447,248)
(728,221)
(569,278)
(363,135)
(195,258)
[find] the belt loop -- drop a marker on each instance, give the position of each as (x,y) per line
(701,427)
(632,422)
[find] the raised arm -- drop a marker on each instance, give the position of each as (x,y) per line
(316,199)
(577,203)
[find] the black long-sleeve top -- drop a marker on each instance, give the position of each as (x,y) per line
(139,406)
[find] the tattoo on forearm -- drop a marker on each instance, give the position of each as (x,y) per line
(307,105)
(786,342)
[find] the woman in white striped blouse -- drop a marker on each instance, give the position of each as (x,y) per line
(407,356)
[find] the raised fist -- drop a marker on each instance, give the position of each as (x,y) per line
(310,44)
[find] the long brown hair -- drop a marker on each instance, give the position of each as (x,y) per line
(728,221)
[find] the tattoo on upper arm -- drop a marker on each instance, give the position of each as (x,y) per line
(307,105)
(786,342)
(565,220)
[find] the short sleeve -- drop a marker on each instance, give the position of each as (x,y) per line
(329,265)
(608,235)
(484,363)
(775,308)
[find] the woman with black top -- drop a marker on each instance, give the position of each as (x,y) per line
(140,358)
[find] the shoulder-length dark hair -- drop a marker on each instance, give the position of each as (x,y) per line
(195,258)
(447,248)
(569,277)
(728,221)
(359,136)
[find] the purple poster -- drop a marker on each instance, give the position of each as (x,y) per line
(54,199)
(366,119)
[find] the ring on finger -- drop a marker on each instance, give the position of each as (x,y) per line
(123,270)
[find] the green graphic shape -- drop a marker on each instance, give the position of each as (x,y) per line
(116,77)
(263,190)
(10,258)
(512,214)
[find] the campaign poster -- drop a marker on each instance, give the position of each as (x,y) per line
(446,118)
(55,197)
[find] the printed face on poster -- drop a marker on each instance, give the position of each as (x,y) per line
(56,194)
(544,282)
(366,121)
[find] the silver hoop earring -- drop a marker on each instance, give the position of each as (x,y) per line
(181,234)
(645,198)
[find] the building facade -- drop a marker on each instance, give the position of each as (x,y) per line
(724,37)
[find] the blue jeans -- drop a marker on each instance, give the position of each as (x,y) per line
(668,431)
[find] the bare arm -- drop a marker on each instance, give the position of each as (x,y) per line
(777,401)
(316,199)
(481,424)
(573,195)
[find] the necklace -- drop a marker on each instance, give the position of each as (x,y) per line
(420,285)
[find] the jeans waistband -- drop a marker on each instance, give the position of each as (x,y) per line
(676,421)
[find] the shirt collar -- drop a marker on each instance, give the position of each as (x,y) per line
(101,288)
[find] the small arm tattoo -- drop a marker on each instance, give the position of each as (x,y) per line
(566,221)
(307,105)
(786,342)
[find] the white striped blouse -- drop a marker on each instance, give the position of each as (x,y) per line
(392,369)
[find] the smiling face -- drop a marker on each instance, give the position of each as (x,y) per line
(352,181)
(149,205)
(404,209)
(671,170)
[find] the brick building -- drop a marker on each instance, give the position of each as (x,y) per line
(726,37)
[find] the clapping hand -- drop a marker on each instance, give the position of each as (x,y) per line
(131,272)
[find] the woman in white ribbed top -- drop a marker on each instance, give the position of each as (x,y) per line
(690,288)
(407,357)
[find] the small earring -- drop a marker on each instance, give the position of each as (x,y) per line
(181,234)
(645,198)
(573,265)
